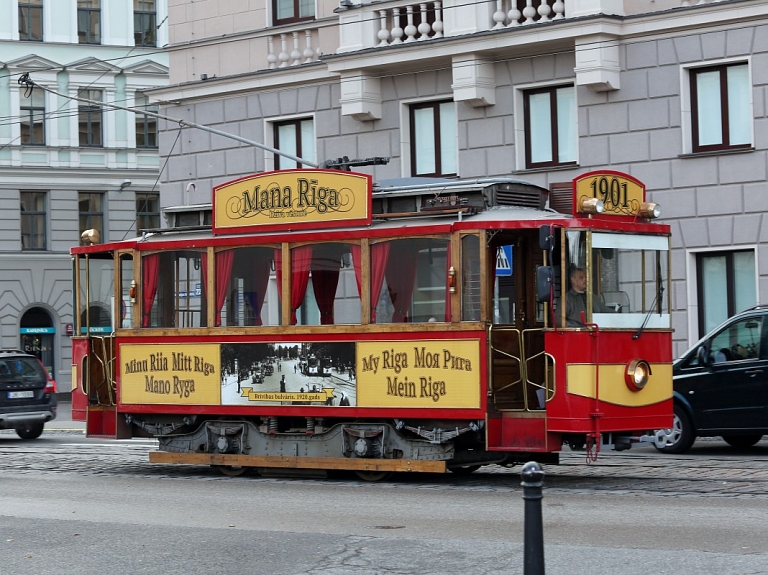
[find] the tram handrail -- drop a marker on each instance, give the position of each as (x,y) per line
(107,364)
(549,359)
(523,362)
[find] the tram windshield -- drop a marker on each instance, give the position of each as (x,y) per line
(621,279)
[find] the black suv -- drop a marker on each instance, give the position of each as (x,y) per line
(721,386)
(27,394)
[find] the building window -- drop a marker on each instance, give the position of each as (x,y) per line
(295,137)
(31,20)
(32,120)
(89,21)
(720,108)
(433,139)
(550,126)
(726,286)
(146,126)
(89,118)
(147,211)
(91,208)
(286,11)
(33,218)
(144,23)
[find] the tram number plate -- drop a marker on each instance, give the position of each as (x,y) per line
(20,394)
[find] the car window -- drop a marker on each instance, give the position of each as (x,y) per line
(738,341)
(21,368)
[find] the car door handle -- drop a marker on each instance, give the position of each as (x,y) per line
(753,372)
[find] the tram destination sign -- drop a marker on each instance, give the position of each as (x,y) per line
(291,200)
(621,194)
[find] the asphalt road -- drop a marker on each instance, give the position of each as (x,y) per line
(70,504)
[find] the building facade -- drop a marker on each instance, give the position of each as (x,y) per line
(68,162)
(672,92)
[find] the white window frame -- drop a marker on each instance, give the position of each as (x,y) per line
(405,131)
(692,286)
(686,111)
(519,119)
(269,136)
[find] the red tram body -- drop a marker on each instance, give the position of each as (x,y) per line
(323,323)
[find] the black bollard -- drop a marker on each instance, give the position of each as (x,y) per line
(533,546)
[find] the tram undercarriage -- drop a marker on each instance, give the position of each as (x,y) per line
(372,449)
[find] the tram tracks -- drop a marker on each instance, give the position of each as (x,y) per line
(636,474)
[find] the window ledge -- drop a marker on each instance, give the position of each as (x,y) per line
(560,168)
(717,153)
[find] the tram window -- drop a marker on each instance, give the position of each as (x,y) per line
(324,284)
(413,285)
(126,277)
(173,293)
(97,294)
(251,297)
(470,278)
(630,272)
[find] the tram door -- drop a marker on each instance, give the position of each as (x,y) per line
(516,334)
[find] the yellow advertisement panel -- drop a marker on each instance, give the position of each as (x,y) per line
(433,374)
(188,374)
(292,197)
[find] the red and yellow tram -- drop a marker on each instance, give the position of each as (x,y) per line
(324,323)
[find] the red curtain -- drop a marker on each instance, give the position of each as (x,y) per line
(325,279)
(301,260)
(401,279)
(379,258)
(224,262)
(356,264)
(150,266)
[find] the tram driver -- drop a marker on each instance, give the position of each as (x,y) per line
(576,299)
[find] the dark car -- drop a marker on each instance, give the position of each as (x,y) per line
(27,394)
(721,386)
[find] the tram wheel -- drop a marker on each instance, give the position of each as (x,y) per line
(373,475)
(231,470)
(464,469)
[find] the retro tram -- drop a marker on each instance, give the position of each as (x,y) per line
(321,322)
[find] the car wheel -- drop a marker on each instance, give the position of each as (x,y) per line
(679,437)
(30,431)
(742,440)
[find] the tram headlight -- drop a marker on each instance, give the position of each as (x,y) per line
(637,374)
(649,210)
(591,206)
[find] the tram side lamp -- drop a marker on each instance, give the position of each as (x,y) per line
(591,206)
(452,279)
(637,374)
(132,291)
(650,210)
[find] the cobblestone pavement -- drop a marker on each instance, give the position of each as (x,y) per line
(710,469)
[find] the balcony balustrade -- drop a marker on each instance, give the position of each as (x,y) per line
(292,48)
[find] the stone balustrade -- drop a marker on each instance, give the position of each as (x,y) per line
(292,48)
(523,12)
(410,23)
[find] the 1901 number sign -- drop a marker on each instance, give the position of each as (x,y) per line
(621,193)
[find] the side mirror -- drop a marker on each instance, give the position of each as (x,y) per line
(546,237)
(702,355)
(545,278)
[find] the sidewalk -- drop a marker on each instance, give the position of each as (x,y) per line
(63,421)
